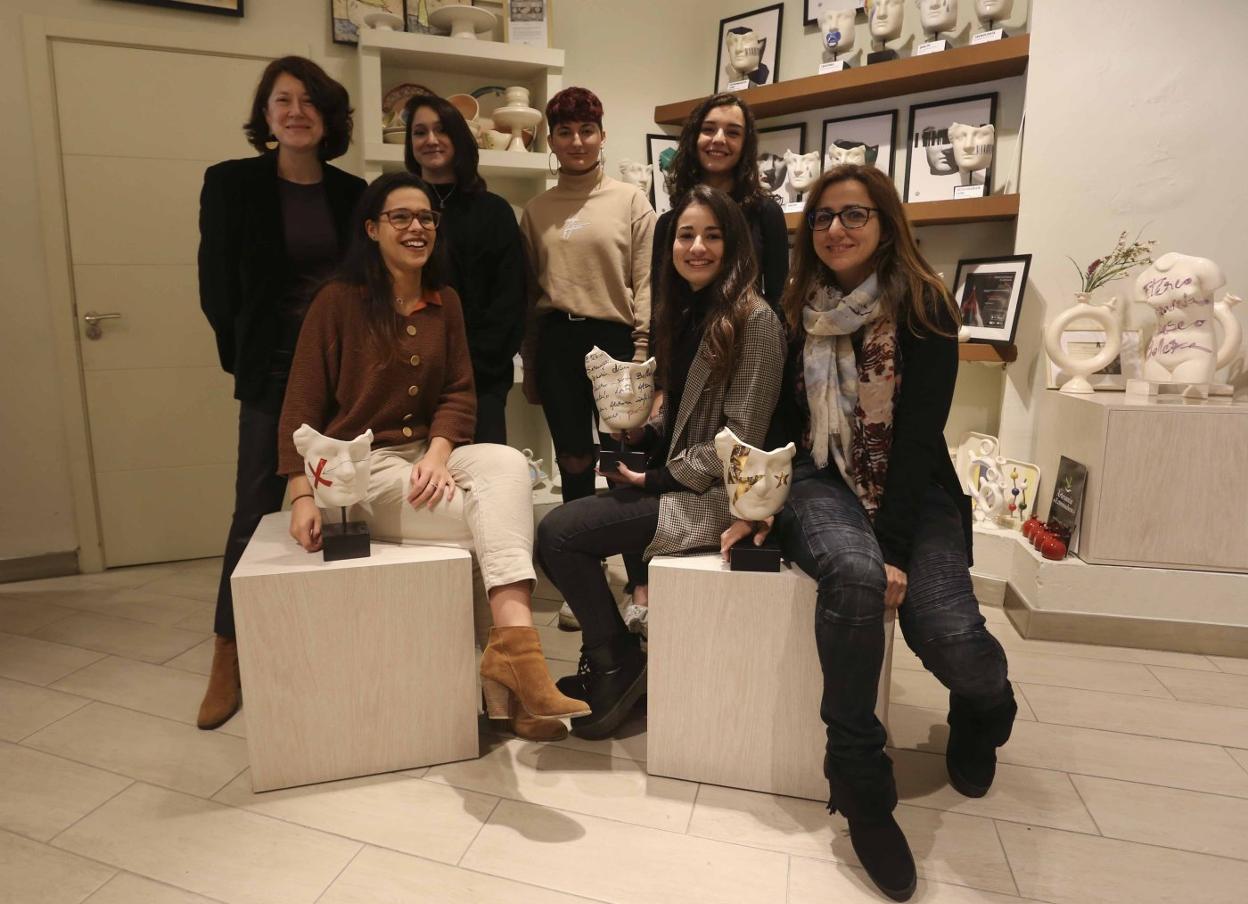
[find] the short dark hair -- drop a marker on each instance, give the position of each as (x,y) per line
(467,157)
(330,99)
(574,105)
(686,171)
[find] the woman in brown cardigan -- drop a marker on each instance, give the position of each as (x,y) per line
(383,347)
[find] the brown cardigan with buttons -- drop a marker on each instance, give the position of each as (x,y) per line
(341,383)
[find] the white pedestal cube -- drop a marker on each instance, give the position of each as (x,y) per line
(353,667)
(734,679)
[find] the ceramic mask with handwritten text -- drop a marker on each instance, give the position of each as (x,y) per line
(884,18)
(338,469)
(972,146)
(938,15)
(623,390)
(758,482)
(837,26)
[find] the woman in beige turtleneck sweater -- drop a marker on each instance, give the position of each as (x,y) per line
(588,240)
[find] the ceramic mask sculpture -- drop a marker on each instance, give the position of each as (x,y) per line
(885,18)
(338,469)
(1184,349)
(837,26)
(838,155)
(938,15)
(745,56)
(989,11)
(623,390)
(758,482)
(972,149)
(639,174)
(803,173)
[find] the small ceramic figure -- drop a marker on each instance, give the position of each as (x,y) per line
(639,174)
(337,469)
(803,172)
(839,37)
(885,19)
(623,390)
(758,482)
(938,16)
(972,150)
(745,56)
(843,152)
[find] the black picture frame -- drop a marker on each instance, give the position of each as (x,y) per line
(810,10)
(920,117)
(235,12)
(891,115)
(333,32)
(986,277)
(656,144)
(771,51)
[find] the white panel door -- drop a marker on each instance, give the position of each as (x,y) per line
(138,127)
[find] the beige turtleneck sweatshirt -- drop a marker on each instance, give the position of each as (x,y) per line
(588,240)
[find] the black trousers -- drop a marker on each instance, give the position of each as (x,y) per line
(573,540)
(492,412)
(258,490)
(567,395)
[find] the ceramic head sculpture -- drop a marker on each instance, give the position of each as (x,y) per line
(745,55)
(993,10)
(972,146)
(837,26)
(623,390)
(639,174)
(337,468)
(1184,348)
(885,18)
(938,15)
(758,482)
(803,170)
(839,153)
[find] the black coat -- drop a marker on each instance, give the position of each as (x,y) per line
(243,269)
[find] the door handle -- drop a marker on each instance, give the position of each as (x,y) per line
(92,319)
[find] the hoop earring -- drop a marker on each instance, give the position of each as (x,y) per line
(553,170)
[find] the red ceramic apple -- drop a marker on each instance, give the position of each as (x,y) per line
(1053,548)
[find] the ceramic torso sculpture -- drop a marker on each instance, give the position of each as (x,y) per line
(937,16)
(1184,349)
(623,390)
(758,482)
(837,155)
(745,56)
(337,469)
(972,150)
(837,26)
(803,173)
(639,174)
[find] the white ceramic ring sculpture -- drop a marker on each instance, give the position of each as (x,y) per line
(758,482)
(1107,317)
(338,469)
(623,390)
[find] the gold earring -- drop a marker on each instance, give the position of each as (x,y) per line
(270,143)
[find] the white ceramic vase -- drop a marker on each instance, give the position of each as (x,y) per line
(1107,316)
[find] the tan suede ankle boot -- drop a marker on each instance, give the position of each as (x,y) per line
(224,695)
(525,726)
(513,664)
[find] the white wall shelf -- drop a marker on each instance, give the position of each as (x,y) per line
(493,164)
(459,55)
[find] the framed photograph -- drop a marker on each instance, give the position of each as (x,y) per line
(1087,344)
(749,49)
(220,7)
(346,17)
(875,133)
(526,22)
(933,170)
(989,292)
(781,155)
(660,153)
(418,15)
(815,8)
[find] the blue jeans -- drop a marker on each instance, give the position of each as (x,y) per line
(826,532)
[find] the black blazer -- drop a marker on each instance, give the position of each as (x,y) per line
(243,268)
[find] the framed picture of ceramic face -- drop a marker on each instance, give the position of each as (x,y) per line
(749,49)
(865,139)
(951,149)
(814,8)
(783,165)
(1087,344)
(989,292)
(660,154)
(347,17)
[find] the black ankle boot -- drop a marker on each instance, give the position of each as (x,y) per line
(865,793)
(614,681)
(576,686)
(971,755)
(885,855)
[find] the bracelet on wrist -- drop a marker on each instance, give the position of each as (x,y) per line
(301,496)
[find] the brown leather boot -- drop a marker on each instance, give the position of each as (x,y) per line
(225,694)
(513,664)
(525,726)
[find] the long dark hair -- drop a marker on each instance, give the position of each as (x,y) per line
(731,294)
(909,289)
(467,158)
(363,267)
(686,172)
(330,99)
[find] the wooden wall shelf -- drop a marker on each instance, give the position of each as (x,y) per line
(950,213)
(984,353)
(960,66)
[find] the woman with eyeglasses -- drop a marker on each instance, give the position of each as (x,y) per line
(486,251)
(383,347)
(876,514)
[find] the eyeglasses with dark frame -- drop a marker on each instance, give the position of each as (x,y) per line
(853,217)
(401,218)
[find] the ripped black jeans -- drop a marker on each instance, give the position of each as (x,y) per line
(825,531)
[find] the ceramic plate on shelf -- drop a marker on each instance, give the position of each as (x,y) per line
(394,100)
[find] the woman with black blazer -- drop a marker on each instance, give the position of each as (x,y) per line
(271,228)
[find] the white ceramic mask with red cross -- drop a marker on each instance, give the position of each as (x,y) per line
(338,469)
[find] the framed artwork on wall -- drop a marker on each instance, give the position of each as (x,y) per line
(875,133)
(220,7)
(347,17)
(1082,344)
(527,22)
(660,153)
(933,170)
(749,49)
(815,8)
(778,146)
(989,293)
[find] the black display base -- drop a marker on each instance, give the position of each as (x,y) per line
(745,556)
(881,56)
(608,458)
(345,541)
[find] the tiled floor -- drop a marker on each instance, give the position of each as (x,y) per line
(1126,781)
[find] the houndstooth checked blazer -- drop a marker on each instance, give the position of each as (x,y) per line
(693,520)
